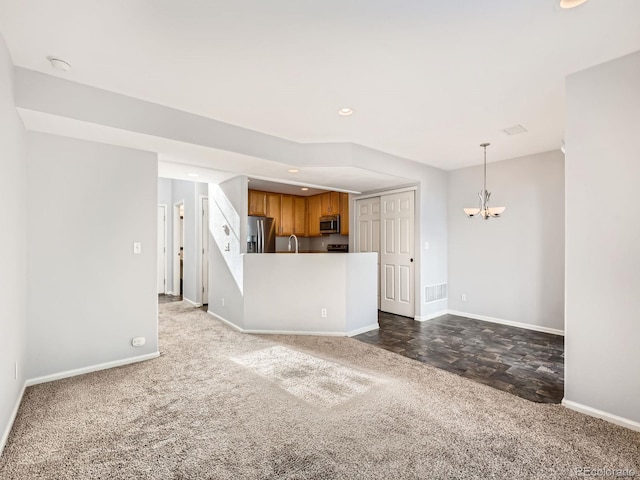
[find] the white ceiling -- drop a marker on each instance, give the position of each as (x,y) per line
(428,80)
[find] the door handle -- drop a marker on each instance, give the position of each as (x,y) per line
(411,260)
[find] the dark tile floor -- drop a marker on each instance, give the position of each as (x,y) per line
(523,362)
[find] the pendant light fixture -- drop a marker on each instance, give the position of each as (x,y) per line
(484,210)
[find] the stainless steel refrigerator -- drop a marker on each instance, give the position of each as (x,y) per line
(261,235)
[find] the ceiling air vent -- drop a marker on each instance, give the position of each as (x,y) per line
(515,130)
(434,293)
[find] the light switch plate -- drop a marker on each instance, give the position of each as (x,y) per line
(137,248)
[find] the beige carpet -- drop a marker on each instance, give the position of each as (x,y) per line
(222,405)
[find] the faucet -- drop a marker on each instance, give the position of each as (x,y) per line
(296,239)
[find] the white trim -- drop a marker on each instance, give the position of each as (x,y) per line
(224,320)
(195,304)
(91,368)
(12,418)
(527,326)
(351,333)
(295,332)
(431,316)
(609,417)
(365,329)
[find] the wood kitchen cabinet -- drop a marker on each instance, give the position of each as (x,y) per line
(274,208)
(287,215)
(314,209)
(299,216)
(294,215)
(344,214)
(329,203)
(257,203)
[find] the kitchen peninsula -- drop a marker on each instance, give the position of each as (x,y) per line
(312,294)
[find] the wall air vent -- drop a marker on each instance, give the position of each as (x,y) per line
(515,130)
(434,293)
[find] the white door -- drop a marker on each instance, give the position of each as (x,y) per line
(205,251)
(368,229)
(162,248)
(396,257)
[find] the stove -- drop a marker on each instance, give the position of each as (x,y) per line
(338,248)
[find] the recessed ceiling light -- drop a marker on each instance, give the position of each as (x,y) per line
(193,174)
(293,170)
(345,112)
(571,3)
(304,189)
(58,64)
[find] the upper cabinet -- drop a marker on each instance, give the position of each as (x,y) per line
(314,212)
(257,203)
(344,214)
(295,215)
(273,210)
(330,203)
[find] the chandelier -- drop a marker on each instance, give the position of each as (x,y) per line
(483,209)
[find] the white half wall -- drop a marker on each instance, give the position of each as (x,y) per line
(510,268)
(13,245)
(88,293)
(603,238)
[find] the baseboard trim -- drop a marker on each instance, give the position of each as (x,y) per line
(527,326)
(12,418)
(609,417)
(224,320)
(431,316)
(351,333)
(295,332)
(91,368)
(365,329)
(195,304)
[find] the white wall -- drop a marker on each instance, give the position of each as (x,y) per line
(510,268)
(88,294)
(13,242)
(227,207)
(286,293)
(603,238)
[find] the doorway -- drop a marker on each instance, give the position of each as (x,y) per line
(162,249)
(178,247)
(386,224)
(204,202)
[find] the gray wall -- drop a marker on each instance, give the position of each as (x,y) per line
(603,238)
(227,207)
(88,294)
(13,242)
(510,268)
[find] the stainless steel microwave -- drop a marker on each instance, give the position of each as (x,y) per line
(330,224)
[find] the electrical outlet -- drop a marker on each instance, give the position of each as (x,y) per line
(137,248)
(138,341)
(227,246)
(323,313)
(463,297)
